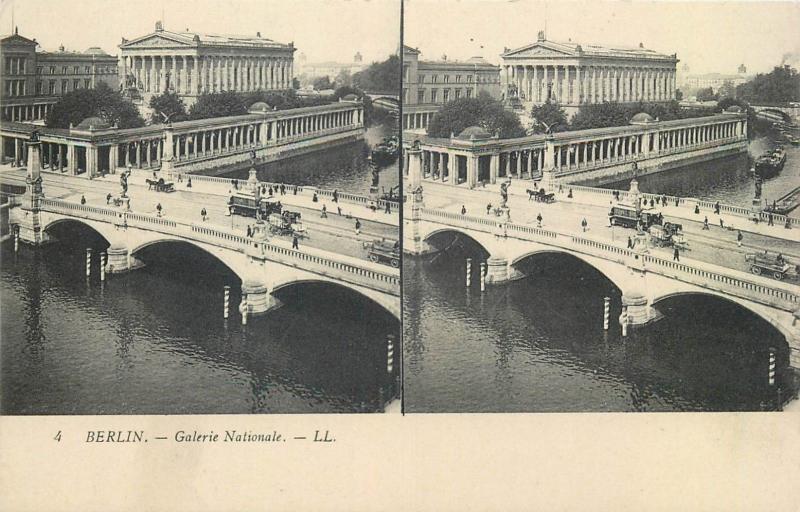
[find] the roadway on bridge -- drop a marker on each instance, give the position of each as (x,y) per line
(336,233)
(716,245)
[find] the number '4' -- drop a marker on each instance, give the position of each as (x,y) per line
(58,436)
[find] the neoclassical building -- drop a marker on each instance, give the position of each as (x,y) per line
(429,84)
(572,74)
(190,64)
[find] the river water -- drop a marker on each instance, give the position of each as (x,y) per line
(154,341)
(538,345)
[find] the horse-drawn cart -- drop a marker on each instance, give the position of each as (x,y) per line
(767,263)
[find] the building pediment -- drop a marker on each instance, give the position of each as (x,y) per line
(538,50)
(16,39)
(154,41)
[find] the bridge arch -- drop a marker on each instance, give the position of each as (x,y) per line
(98,227)
(763,313)
(388,306)
(618,275)
(239,268)
(786,117)
(482,244)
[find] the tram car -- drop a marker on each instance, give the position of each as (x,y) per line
(249,205)
(384,251)
(629,216)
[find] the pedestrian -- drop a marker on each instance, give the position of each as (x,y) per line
(664,200)
(314,198)
(488,208)
(739,238)
(705,224)
(324,212)
(339,209)
(463,210)
(269,190)
(696,208)
(560,188)
(630,243)
(180,177)
(283,190)
(108,198)
(294,191)
(539,220)
(677,201)
(652,203)
(335,196)
(716,207)
(721,223)
(658,201)
(295,242)
(788,224)
(358,227)
(249,231)
(769,219)
(584,224)
(188,182)
(203,214)
(388,207)
(569,194)
(83,199)
(158,209)
(676,254)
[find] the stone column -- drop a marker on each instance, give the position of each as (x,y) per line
(195,88)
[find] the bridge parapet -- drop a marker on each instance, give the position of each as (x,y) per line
(711,277)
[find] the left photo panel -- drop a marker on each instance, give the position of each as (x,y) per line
(200,207)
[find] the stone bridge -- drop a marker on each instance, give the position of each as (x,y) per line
(785,113)
(643,279)
(263,266)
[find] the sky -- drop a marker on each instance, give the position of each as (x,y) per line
(708,36)
(324,30)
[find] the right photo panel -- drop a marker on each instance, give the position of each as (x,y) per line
(600,209)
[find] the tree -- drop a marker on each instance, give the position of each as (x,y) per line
(344,78)
(483,111)
(218,104)
(380,76)
(295,83)
(322,83)
(102,102)
(726,90)
(678,94)
(168,105)
(549,116)
(706,94)
(780,86)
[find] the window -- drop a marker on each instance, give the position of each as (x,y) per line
(51,88)
(434,95)
(421,96)
(447,79)
(39,70)
(458,93)
(421,79)
(76,84)
(469,93)
(38,87)
(458,79)
(469,79)
(64,70)
(76,69)
(405,95)
(64,86)
(86,83)
(434,79)
(88,69)
(52,70)
(445,94)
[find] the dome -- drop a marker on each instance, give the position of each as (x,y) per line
(642,118)
(734,109)
(260,106)
(474,132)
(93,123)
(350,97)
(95,50)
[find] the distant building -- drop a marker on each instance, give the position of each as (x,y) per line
(331,69)
(33,80)
(716,80)
(429,84)
(191,63)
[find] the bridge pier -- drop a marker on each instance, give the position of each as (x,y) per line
(120,260)
(259,299)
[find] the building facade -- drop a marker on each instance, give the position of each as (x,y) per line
(34,80)
(716,80)
(572,74)
(310,70)
(191,64)
(427,85)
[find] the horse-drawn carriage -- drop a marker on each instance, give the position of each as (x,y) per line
(540,196)
(160,185)
(668,234)
(286,223)
(768,263)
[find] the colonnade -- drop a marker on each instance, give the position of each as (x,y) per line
(486,160)
(197,74)
(415,120)
(587,84)
(26,113)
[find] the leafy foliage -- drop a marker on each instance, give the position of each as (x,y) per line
(322,83)
(102,102)
(380,76)
(551,115)
(483,111)
(706,94)
(779,86)
(169,104)
(603,115)
(221,104)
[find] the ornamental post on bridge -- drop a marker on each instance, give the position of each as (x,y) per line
(167,160)
(548,182)
(413,156)
(30,229)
